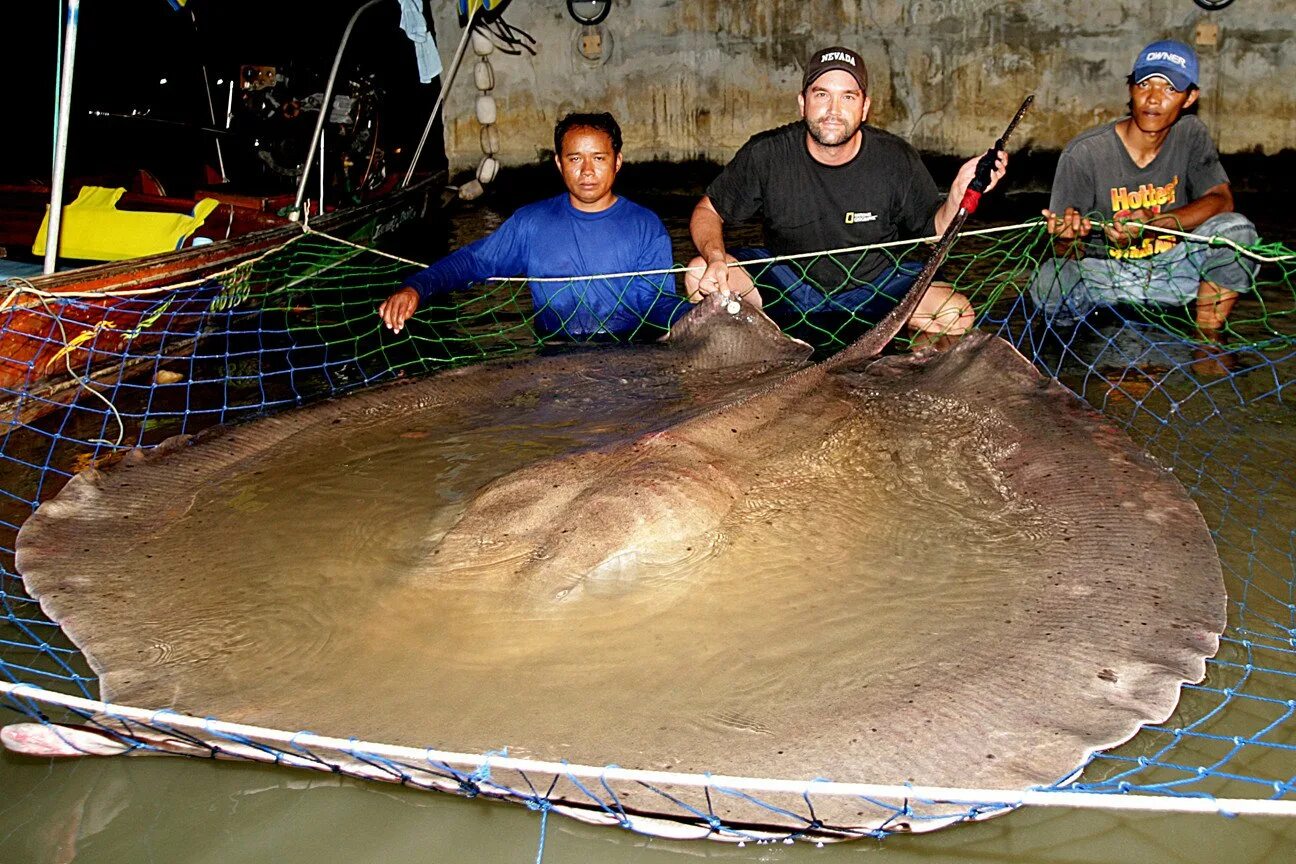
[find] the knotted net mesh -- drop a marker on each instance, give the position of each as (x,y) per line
(87,376)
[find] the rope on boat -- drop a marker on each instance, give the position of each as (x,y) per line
(18,287)
(66,353)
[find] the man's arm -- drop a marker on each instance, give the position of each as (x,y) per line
(1216,200)
(501,253)
(739,190)
(456,270)
(1203,171)
(658,299)
(707,230)
(945,215)
(1071,196)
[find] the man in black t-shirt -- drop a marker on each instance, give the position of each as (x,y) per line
(829,182)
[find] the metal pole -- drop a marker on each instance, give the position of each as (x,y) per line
(211,111)
(446,80)
(306,211)
(61,137)
(324,111)
(211,105)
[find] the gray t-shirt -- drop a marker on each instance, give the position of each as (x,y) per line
(1096,175)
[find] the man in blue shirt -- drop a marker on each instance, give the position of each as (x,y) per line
(584,232)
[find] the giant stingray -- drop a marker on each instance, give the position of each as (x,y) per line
(1055,589)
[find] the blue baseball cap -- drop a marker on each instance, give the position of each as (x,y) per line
(1171,60)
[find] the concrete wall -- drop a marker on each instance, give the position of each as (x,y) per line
(695,78)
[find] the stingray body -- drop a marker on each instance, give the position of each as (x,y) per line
(651,481)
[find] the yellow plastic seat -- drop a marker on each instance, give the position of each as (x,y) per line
(94,229)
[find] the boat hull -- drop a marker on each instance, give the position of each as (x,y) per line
(106,309)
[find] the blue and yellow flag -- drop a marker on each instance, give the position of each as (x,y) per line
(469,7)
(177,5)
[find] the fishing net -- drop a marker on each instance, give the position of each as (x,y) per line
(87,376)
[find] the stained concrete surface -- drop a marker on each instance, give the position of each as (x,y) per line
(695,79)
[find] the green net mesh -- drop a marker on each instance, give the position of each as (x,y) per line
(85,376)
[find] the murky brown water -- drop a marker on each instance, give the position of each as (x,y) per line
(167,810)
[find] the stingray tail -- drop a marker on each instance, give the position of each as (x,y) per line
(871,343)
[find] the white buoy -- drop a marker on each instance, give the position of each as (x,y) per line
(485,109)
(484,79)
(487,169)
(484,75)
(482,45)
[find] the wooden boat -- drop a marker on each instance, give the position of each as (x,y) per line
(61,330)
(40,337)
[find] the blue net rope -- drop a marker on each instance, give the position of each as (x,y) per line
(83,377)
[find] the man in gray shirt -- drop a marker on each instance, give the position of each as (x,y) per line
(1156,168)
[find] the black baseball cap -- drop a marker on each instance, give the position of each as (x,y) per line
(837,57)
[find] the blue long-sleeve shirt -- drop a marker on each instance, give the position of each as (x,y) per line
(552,238)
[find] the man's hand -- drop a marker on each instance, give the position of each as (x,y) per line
(945,215)
(967,171)
(707,273)
(703,278)
(714,278)
(396,309)
(1127,226)
(1070,225)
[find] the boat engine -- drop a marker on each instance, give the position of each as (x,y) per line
(276,113)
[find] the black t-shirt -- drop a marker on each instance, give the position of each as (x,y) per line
(885,193)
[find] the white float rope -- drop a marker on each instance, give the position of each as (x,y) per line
(681,269)
(485,762)
(20,287)
(775,259)
(1215,241)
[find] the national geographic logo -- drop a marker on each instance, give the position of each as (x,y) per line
(857,218)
